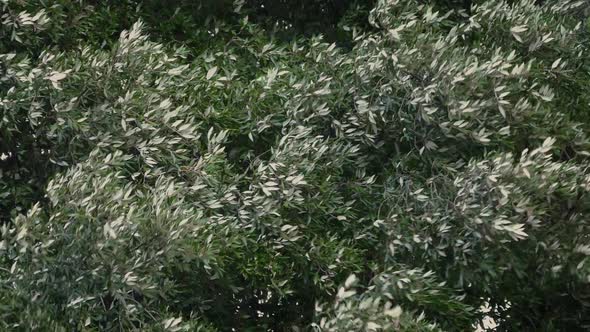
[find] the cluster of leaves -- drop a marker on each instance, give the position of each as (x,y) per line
(211,176)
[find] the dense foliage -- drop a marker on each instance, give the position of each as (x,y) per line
(218,165)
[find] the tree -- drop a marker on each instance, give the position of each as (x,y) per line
(225,169)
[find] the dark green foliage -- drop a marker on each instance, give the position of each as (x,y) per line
(209,165)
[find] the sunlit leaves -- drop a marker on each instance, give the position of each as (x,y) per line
(437,165)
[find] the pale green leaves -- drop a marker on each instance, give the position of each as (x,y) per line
(211,72)
(517,31)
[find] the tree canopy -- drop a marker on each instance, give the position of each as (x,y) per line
(258,165)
